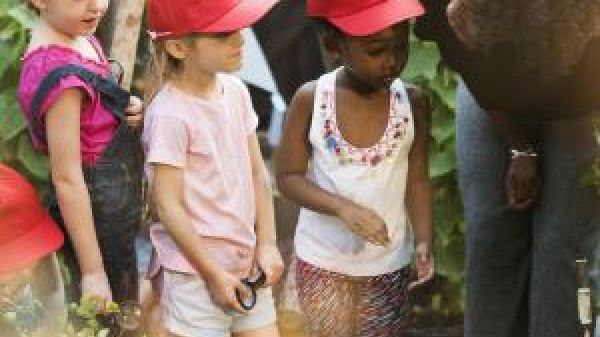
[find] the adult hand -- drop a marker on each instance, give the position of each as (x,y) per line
(365,223)
(522,182)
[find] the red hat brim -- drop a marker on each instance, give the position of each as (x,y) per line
(44,238)
(245,14)
(379,17)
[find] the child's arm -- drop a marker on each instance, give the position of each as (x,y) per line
(292,163)
(418,189)
(168,195)
(62,128)
(267,254)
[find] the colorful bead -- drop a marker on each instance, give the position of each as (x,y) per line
(331,143)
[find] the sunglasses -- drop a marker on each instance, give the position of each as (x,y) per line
(253,283)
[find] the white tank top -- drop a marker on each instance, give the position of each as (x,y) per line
(373,177)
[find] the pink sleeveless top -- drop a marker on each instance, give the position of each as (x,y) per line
(98,125)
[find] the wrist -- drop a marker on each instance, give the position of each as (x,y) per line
(91,268)
(266,243)
(339,206)
(424,244)
(210,274)
(523,151)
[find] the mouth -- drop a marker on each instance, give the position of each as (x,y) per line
(90,21)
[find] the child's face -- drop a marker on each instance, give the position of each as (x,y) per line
(377,59)
(215,52)
(72,17)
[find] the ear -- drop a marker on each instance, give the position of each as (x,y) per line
(177,48)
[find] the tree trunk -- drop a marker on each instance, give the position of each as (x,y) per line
(119,34)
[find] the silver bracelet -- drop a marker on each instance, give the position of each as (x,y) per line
(525,153)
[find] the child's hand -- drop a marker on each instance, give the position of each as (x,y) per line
(424,264)
(222,287)
(134,112)
(96,285)
(365,223)
(269,260)
(522,183)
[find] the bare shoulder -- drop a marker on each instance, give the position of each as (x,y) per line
(303,99)
(306,93)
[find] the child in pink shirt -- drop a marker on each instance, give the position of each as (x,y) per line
(77,115)
(210,190)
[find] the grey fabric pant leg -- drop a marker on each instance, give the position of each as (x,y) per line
(520,266)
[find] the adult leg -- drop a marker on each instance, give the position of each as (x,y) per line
(566,223)
(497,239)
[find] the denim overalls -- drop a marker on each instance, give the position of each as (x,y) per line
(114,184)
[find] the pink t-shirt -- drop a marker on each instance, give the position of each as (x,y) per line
(98,124)
(208,140)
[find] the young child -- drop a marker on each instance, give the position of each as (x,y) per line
(28,269)
(366,193)
(209,184)
(76,114)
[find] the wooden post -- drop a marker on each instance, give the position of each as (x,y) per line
(120,33)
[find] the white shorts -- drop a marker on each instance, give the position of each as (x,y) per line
(188,310)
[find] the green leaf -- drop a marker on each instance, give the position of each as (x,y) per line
(423,61)
(446,92)
(11,118)
(12,51)
(441,163)
(450,259)
(35,162)
(442,128)
(23,15)
(9,28)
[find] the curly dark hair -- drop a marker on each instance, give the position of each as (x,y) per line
(549,36)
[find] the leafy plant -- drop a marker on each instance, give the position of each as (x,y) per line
(16,149)
(425,69)
(112,321)
(88,318)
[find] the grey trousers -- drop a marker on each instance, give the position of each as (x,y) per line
(520,266)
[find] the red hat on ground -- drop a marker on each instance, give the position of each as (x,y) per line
(364,17)
(27,232)
(176,18)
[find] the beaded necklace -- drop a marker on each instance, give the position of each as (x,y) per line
(374,155)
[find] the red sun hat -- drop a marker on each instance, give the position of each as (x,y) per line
(27,232)
(364,17)
(176,18)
